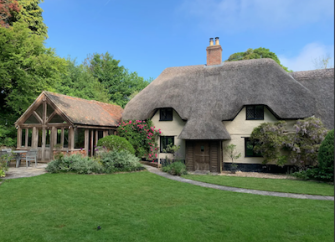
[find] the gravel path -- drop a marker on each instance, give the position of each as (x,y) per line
(235,189)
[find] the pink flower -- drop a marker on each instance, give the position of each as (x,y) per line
(160,132)
(129,121)
(156,155)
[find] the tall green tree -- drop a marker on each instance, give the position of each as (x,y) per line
(256,54)
(7,9)
(119,82)
(26,68)
(79,82)
(31,13)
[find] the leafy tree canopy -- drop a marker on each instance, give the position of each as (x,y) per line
(79,82)
(256,54)
(119,82)
(26,68)
(7,8)
(31,14)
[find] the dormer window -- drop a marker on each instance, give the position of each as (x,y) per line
(255,112)
(166,114)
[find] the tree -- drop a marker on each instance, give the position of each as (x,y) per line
(119,82)
(256,54)
(322,62)
(31,14)
(231,153)
(26,68)
(7,8)
(79,82)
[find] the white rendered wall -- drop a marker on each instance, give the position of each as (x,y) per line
(240,128)
(170,128)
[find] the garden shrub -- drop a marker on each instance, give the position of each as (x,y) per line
(326,158)
(142,135)
(325,169)
(176,168)
(116,161)
(75,163)
(116,143)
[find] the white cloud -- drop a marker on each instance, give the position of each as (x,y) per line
(305,60)
(258,14)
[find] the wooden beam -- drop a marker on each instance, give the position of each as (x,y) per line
(19,137)
(52,141)
(26,138)
(87,135)
(95,127)
(34,138)
(92,138)
(96,137)
(44,111)
(37,117)
(43,144)
(62,139)
(51,116)
(71,138)
(30,126)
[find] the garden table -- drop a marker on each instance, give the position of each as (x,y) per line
(18,156)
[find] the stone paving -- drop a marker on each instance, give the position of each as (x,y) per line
(235,189)
(25,171)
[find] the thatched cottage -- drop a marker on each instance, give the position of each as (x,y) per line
(202,108)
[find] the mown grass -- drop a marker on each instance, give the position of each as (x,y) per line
(145,207)
(275,185)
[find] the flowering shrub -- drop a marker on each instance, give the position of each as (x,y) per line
(142,135)
(299,148)
(269,139)
(305,142)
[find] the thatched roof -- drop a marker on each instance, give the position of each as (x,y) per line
(321,84)
(207,95)
(87,112)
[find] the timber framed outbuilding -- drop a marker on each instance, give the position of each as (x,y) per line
(56,122)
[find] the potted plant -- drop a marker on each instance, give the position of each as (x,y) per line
(233,155)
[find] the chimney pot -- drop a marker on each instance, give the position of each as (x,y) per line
(217,41)
(210,41)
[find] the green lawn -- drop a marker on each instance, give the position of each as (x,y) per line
(145,207)
(275,185)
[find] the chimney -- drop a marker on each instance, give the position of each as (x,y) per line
(214,52)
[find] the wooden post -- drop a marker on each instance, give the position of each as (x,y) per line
(62,139)
(96,137)
(71,138)
(43,143)
(92,138)
(26,139)
(19,137)
(87,135)
(44,111)
(105,133)
(52,142)
(34,138)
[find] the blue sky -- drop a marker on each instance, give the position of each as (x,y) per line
(149,36)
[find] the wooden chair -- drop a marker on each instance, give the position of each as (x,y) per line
(31,156)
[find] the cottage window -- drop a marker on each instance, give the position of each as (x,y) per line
(165,141)
(249,149)
(166,114)
(255,112)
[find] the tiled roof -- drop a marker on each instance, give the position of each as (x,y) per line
(86,112)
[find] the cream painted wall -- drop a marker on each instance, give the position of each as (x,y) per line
(171,128)
(240,128)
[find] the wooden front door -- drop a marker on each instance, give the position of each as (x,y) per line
(204,155)
(201,156)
